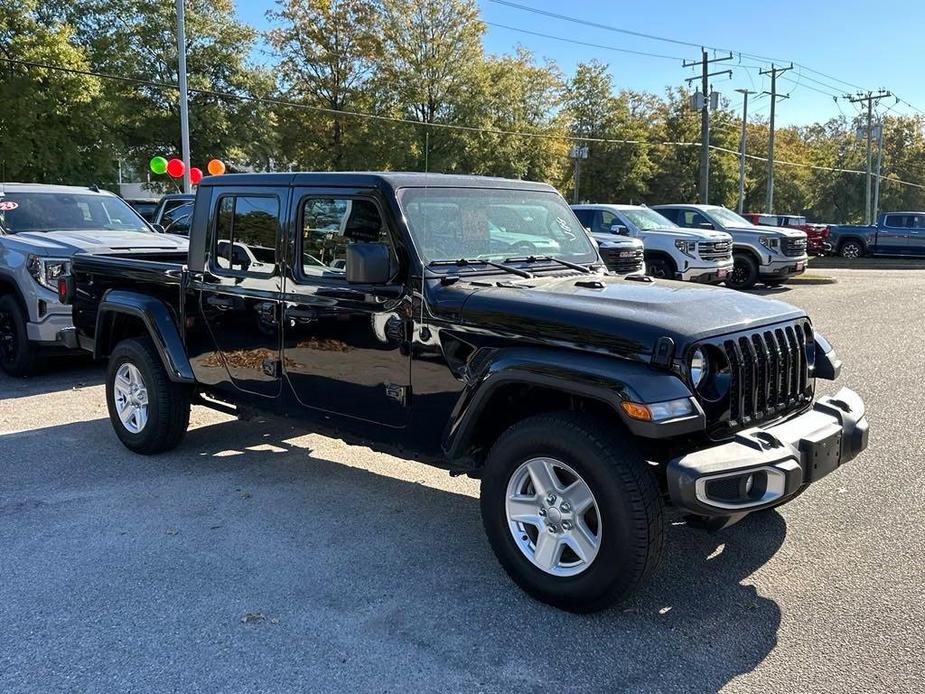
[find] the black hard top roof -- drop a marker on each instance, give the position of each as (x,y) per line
(373,179)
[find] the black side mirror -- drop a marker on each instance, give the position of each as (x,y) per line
(159,228)
(369,263)
(620,229)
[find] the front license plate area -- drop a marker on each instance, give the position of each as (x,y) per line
(821,454)
(721,273)
(799,267)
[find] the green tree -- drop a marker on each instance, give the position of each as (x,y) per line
(430,67)
(328,50)
(137,39)
(50,125)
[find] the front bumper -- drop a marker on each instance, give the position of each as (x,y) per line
(716,272)
(761,467)
(781,268)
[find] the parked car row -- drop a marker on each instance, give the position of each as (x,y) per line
(470,322)
(702,243)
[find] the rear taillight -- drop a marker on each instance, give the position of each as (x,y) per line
(825,232)
(65,289)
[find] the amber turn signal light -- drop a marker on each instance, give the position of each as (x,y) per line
(636,411)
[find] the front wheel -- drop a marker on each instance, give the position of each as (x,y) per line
(744,273)
(149,412)
(572,512)
(17,357)
(659,268)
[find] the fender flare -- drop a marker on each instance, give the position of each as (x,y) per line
(607,379)
(159,323)
(9,279)
(746,249)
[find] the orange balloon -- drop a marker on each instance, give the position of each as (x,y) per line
(216,167)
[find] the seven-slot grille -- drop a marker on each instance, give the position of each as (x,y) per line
(715,250)
(794,247)
(768,373)
(622,260)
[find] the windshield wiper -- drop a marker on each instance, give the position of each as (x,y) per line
(481,261)
(548,258)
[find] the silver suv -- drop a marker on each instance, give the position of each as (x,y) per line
(760,254)
(670,251)
(41,228)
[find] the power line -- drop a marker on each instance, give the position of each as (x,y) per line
(665,39)
(582,43)
(596,25)
(409,121)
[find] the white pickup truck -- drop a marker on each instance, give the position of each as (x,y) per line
(670,251)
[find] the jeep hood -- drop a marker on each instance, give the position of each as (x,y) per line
(622,316)
(67,243)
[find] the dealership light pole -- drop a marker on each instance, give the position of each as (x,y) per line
(744,93)
(184,101)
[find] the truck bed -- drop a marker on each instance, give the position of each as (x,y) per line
(161,274)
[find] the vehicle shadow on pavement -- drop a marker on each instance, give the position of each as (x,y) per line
(55,374)
(251,561)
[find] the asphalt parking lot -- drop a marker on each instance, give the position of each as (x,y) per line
(256,557)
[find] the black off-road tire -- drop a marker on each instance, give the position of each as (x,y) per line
(168,408)
(744,273)
(659,268)
(626,492)
(17,356)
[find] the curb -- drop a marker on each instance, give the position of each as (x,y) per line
(812,280)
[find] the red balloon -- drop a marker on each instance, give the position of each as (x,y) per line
(175,168)
(195,175)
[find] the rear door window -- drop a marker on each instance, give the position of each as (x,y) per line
(246,232)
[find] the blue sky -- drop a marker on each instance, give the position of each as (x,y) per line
(871,45)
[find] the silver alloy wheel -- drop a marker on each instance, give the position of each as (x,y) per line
(851,249)
(553,517)
(131,398)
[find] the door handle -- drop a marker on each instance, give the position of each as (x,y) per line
(220,301)
(301,312)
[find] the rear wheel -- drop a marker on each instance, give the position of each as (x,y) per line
(149,412)
(744,273)
(659,268)
(851,249)
(573,514)
(17,358)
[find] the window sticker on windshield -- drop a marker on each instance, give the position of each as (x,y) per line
(7,205)
(566,227)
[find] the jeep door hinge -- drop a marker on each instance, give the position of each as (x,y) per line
(398,393)
(664,352)
(272,368)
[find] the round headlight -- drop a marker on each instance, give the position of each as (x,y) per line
(699,367)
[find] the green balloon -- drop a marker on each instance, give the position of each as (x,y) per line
(158,165)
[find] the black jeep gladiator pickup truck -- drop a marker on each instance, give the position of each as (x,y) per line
(471,323)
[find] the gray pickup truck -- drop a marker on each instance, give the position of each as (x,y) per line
(41,228)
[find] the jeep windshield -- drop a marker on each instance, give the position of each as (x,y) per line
(22,212)
(493,224)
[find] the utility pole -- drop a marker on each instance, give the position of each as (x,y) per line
(577,153)
(869,98)
(744,93)
(773,72)
(705,76)
(879,128)
(184,97)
